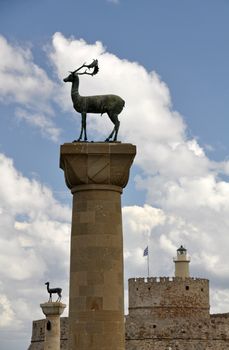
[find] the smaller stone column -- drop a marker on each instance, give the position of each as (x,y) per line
(52,311)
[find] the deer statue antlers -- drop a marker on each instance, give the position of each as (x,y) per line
(94,65)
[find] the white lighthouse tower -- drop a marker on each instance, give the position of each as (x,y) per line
(182,263)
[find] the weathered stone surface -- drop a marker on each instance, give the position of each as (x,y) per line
(49,330)
(96,173)
(173,313)
(164,297)
(164,313)
(38,334)
(147,331)
(96,163)
(53,308)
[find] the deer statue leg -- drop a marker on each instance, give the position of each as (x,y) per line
(116,122)
(84,124)
(83,127)
(81,131)
(110,136)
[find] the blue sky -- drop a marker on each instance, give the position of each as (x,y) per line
(169,61)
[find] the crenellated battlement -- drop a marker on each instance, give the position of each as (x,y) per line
(163,279)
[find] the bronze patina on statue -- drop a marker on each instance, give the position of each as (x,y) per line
(99,104)
(53,291)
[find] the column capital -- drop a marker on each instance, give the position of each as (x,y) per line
(53,308)
(97,163)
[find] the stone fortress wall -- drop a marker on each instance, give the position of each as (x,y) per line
(173,313)
(165,297)
(167,313)
(164,314)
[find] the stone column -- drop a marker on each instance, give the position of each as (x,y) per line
(52,311)
(96,173)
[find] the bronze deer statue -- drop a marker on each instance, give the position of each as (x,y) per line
(110,104)
(53,291)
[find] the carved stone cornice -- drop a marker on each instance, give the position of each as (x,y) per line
(96,163)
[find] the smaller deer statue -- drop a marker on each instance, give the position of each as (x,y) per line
(99,104)
(53,291)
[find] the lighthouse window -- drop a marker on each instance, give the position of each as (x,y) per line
(202,289)
(154,326)
(187,287)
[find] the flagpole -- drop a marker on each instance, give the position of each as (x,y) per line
(146,253)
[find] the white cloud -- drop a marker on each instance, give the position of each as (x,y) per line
(138,224)
(34,247)
(21,79)
(25,84)
(19,195)
(40,121)
(7,314)
(220,299)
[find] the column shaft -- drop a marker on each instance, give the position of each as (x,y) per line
(96,275)
(52,336)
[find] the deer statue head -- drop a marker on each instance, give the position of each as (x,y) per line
(75,73)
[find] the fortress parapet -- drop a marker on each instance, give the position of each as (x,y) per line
(163,296)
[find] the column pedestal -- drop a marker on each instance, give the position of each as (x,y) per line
(52,311)
(96,173)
